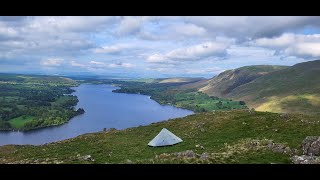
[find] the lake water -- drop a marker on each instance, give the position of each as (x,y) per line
(103,109)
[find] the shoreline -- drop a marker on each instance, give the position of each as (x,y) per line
(48,126)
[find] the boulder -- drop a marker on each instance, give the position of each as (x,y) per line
(311,146)
(278,148)
(204,156)
(187,154)
(304,159)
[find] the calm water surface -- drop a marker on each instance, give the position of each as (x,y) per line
(104,109)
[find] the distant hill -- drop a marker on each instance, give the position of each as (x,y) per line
(293,90)
(36,79)
(227,81)
(179,80)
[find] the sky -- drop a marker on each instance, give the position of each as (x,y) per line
(140,46)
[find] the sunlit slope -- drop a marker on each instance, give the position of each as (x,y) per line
(295,89)
(227,81)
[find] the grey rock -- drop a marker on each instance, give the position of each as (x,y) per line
(278,148)
(287,150)
(187,154)
(311,146)
(87,157)
(204,156)
(304,159)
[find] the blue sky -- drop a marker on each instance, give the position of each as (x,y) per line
(154,46)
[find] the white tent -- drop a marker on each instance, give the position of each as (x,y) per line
(164,138)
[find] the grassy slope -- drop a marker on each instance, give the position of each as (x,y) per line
(295,89)
(226,136)
(225,82)
(19,122)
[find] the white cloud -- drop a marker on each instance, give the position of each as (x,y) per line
(74,63)
(253,26)
(69,23)
(52,62)
(191,53)
(7,32)
(297,45)
(113,49)
(278,42)
(188,30)
(97,64)
(126,65)
(210,70)
(157,58)
(304,49)
(175,43)
(129,25)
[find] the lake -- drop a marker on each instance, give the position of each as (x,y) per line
(103,109)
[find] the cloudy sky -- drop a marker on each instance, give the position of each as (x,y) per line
(154,46)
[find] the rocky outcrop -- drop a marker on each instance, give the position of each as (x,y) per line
(311,146)
(311,151)
(186,154)
(281,148)
(304,159)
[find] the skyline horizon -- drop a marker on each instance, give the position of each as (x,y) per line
(128,76)
(153,46)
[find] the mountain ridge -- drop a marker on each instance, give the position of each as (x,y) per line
(293,89)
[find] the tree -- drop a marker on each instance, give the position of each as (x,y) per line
(242,103)
(219,103)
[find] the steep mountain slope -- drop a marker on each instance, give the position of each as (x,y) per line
(194,85)
(224,83)
(294,90)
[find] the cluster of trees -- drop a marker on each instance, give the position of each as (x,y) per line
(4,125)
(42,98)
(60,118)
(170,93)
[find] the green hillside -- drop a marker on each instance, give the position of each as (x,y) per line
(213,137)
(227,81)
(295,89)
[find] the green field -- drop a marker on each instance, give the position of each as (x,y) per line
(205,103)
(19,122)
(239,136)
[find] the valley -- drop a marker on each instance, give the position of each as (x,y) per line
(241,116)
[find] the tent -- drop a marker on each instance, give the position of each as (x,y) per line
(164,138)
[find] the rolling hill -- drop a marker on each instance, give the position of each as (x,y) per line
(294,89)
(225,82)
